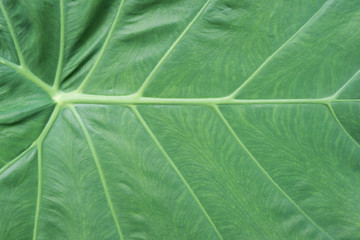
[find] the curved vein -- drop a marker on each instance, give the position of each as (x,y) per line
(99,168)
(102,51)
(172,164)
(61,50)
(340,124)
(231,130)
(310,21)
(142,88)
(12,33)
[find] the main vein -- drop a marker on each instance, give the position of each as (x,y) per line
(231,130)
(61,50)
(310,21)
(102,51)
(142,88)
(99,168)
(172,164)
(73,97)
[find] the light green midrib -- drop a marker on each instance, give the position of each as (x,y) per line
(267,175)
(172,164)
(75,98)
(99,169)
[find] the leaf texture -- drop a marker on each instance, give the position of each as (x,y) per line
(206,119)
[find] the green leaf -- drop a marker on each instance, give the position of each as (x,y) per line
(206,119)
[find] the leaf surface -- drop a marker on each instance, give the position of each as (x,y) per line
(125,119)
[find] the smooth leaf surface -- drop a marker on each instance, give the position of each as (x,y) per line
(206,119)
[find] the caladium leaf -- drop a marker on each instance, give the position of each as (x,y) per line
(206,119)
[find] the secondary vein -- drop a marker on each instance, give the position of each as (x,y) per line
(146,82)
(172,164)
(231,130)
(310,21)
(99,168)
(102,51)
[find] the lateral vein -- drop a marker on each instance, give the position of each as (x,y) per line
(102,51)
(310,21)
(172,164)
(343,87)
(99,169)
(267,175)
(146,82)
(29,76)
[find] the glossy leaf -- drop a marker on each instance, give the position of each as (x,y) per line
(206,119)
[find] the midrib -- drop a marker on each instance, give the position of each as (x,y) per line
(78,98)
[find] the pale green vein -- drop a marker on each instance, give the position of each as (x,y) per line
(340,124)
(172,164)
(37,81)
(231,130)
(146,82)
(12,33)
(9,64)
(61,50)
(321,11)
(39,142)
(12,162)
(99,168)
(30,76)
(40,138)
(102,51)
(347,83)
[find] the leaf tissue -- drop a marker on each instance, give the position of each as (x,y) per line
(187,119)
